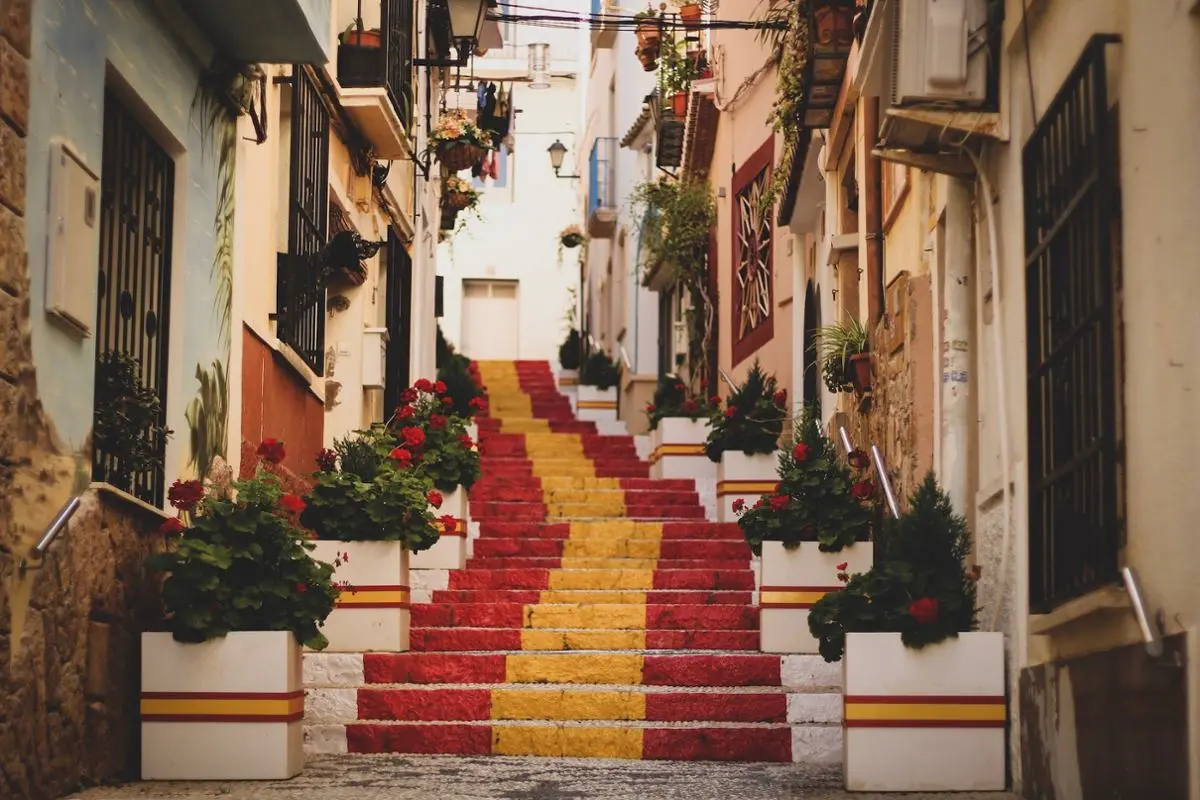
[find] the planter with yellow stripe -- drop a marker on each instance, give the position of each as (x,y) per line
(372,613)
(791,581)
(677,450)
(450,551)
(597,405)
(745,478)
(930,720)
(227,709)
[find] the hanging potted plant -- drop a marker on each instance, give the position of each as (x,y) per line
(918,678)
(842,351)
(360,56)
(743,440)
(811,529)
(689,14)
(457,142)
(675,76)
(222,697)
(649,37)
(458,194)
(571,237)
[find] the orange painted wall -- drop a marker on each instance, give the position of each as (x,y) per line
(277,404)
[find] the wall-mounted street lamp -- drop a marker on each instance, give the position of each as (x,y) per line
(557,151)
(466,19)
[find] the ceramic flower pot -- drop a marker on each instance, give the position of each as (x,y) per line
(677,449)
(597,405)
(372,613)
(450,550)
(360,59)
(929,720)
(679,105)
(227,709)
(860,372)
(690,15)
(745,478)
(791,581)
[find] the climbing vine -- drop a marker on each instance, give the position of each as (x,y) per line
(787,34)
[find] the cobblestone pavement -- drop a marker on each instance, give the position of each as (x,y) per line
(496,778)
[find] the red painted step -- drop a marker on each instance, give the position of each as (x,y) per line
(654,596)
(449,640)
(512,615)
(540,578)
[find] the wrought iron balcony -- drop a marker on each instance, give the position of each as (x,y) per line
(266,31)
(602,182)
(375,73)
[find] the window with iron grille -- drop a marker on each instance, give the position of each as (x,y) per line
(300,291)
(398,20)
(753,287)
(137,190)
(1071,215)
(399,322)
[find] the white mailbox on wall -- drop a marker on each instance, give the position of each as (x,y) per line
(374,362)
(72,239)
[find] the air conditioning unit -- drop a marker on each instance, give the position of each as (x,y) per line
(374,360)
(939,52)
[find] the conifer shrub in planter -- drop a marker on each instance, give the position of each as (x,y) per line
(221,690)
(813,528)
(744,438)
(678,430)
(598,379)
(925,694)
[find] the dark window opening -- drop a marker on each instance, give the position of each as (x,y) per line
(399,323)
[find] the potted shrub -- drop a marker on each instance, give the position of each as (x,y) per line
(678,430)
(129,436)
(842,350)
(689,15)
(370,504)
(675,78)
(920,684)
(360,56)
(743,440)
(221,689)
(598,379)
(439,442)
(814,527)
(457,142)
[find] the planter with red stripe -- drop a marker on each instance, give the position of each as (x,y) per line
(677,449)
(372,612)
(929,720)
(746,478)
(792,581)
(450,550)
(596,405)
(227,709)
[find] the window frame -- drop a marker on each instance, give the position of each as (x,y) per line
(758,165)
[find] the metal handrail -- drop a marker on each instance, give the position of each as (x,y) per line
(725,377)
(1151,633)
(884,480)
(625,359)
(57,525)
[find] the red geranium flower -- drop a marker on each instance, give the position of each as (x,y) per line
(301,588)
(449,523)
(423,385)
(272,450)
(292,503)
(800,453)
(715,400)
(172,527)
(842,567)
(408,396)
(862,490)
(858,459)
(440,387)
(739,504)
(184,495)
(326,461)
(924,611)
(465,441)
(650,408)
(413,437)
(730,411)
(780,398)
(478,403)
(779,502)
(402,457)
(435,498)
(407,412)
(437,422)
(447,401)
(690,407)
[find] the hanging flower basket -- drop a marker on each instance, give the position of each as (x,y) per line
(458,194)
(458,200)
(648,57)
(648,33)
(457,142)
(571,237)
(459,155)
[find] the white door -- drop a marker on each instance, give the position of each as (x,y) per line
(491,320)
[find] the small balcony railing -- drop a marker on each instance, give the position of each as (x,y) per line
(382,59)
(602,203)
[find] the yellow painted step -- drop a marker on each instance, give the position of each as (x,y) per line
(601,579)
(600,668)
(615,529)
(588,596)
(609,616)
(557,640)
(610,547)
(567,482)
(609,563)
(567,705)
(566,742)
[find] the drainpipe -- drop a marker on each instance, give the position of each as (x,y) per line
(872,198)
(799,300)
(956,344)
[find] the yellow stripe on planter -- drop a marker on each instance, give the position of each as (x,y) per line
(598,405)
(567,380)
(460,527)
(532,704)
(792,596)
(745,487)
(562,741)
(374,597)
(924,712)
(664,450)
(221,707)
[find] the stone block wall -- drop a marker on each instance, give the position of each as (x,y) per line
(68,631)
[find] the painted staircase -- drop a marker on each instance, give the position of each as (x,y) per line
(601,616)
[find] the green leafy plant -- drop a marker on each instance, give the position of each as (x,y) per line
(207,416)
(919,587)
(242,564)
(675,71)
(568,351)
(128,421)
(785,32)
(599,370)
(818,499)
(672,399)
(834,344)
(752,420)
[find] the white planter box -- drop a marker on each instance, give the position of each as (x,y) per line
(450,552)
(473,432)
(228,709)
(677,449)
(791,581)
(568,378)
(595,405)
(744,477)
(928,720)
(373,614)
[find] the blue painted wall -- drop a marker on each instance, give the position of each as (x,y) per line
(76,44)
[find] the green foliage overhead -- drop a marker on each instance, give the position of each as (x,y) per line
(919,586)
(819,499)
(752,420)
(679,216)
